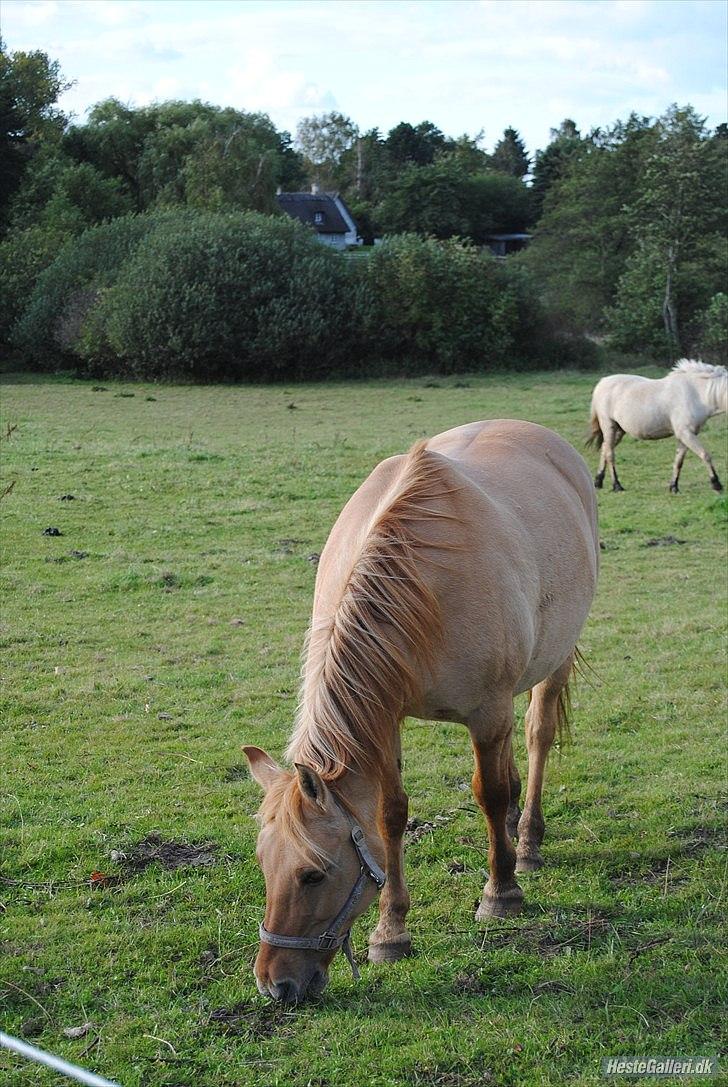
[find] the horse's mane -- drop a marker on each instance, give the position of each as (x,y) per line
(363,665)
(284,802)
(697,366)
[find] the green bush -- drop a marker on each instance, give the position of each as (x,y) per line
(228,296)
(449,307)
(244,296)
(48,329)
(24,254)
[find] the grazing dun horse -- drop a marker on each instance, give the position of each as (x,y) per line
(456,576)
(678,404)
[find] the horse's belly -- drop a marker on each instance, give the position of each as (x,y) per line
(643,424)
(647,435)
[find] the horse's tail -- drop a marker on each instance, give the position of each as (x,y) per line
(563,713)
(595,436)
(579,666)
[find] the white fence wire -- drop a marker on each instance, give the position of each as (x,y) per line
(72,1071)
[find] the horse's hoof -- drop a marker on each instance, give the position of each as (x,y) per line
(716,484)
(391,952)
(598,483)
(617,487)
(507,903)
(673,488)
(530,862)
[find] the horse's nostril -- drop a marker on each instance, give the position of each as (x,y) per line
(287,991)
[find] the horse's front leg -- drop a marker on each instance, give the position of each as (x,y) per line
(490,732)
(679,458)
(391,940)
(688,438)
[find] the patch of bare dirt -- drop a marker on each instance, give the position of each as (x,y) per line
(155,850)
(456,1075)
(695,839)
(286,546)
(664,541)
(469,985)
(249,1018)
(417,829)
(576,934)
(660,871)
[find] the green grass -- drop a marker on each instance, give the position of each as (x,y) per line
(162,630)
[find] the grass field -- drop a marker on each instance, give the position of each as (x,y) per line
(161,630)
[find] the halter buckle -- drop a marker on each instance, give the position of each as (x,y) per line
(327,941)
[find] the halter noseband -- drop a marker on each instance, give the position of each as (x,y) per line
(333,938)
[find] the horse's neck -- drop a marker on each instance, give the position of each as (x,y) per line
(705,393)
(717,394)
(710,394)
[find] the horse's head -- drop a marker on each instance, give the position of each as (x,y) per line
(311,869)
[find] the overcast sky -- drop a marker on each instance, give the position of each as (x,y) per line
(466,65)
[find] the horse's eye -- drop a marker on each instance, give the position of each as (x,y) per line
(314,876)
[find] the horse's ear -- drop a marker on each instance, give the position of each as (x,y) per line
(312,786)
(262,767)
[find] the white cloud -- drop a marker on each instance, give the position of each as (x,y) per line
(259,81)
(112,12)
(464,64)
(32,13)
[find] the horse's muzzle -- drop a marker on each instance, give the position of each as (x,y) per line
(290,991)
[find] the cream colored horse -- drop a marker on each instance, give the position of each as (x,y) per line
(678,404)
(456,577)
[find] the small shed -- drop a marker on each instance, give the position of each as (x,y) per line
(326,212)
(503,244)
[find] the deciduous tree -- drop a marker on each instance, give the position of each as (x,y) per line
(30,86)
(323,140)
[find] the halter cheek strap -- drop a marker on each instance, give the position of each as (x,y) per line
(338,932)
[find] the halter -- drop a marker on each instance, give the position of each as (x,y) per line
(333,939)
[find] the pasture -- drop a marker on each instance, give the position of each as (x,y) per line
(162,629)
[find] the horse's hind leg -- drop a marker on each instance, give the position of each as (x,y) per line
(514,812)
(390,940)
(490,732)
(542,720)
(599,477)
(613,435)
(690,439)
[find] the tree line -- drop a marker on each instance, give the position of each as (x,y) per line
(628,223)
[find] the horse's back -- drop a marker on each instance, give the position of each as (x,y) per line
(511,529)
(642,407)
(615,389)
(529,575)
(514,460)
